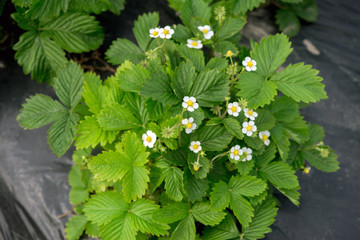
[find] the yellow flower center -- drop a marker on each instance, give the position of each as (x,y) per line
(307,170)
(148,139)
(236,152)
(195,146)
(250,64)
(155,33)
(194,44)
(196,167)
(233,109)
(189,125)
(205,30)
(250,112)
(264,137)
(229,53)
(249,128)
(166,31)
(190,103)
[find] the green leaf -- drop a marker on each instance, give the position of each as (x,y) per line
(280,174)
(230,27)
(248,186)
(195,8)
(45,9)
(245,167)
(119,228)
(117,117)
(131,77)
(297,129)
(214,138)
(204,214)
(75,32)
(40,110)
(196,56)
(264,216)
(116,6)
(75,227)
(22,3)
(292,194)
(241,7)
(69,84)
(242,209)
(104,207)
(94,93)
(234,127)
(92,230)
(326,164)
(217,63)
(265,120)
(78,192)
(270,53)
(195,189)
(307,10)
(223,47)
(39,55)
(210,87)
(172,213)
(267,156)
(142,27)
(284,109)
(281,140)
(255,89)
(227,229)
(181,33)
(316,135)
(301,83)
(174,183)
(288,22)
(122,49)
(185,229)
(183,80)
(220,196)
(140,215)
(89,6)
(62,133)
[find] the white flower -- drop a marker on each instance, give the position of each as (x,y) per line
(250,113)
(250,65)
(189,124)
(233,109)
(194,44)
(189,103)
(264,136)
(207,31)
(166,32)
(155,32)
(235,152)
(249,128)
(195,146)
(247,154)
(149,138)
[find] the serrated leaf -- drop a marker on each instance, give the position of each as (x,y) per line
(270,53)
(172,213)
(88,6)
(213,138)
(280,174)
(288,22)
(204,163)
(248,186)
(174,183)
(117,117)
(142,27)
(78,192)
(92,230)
(40,110)
(182,33)
(155,109)
(301,83)
(195,8)
(204,214)
(245,167)
(234,127)
(94,93)
(265,120)
(281,140)
(131,77)
(267,156)
(69,84)
(242,209)
(297,129)
(255,89)
(75,32)
(316,135)
(292,194)
(45,9)
(230,27)
(75,227)
(307,10)
(62,133)
(196,56)
(185,229)
(183,80)
(120,228)
(195,189)
(217,63)
(220,196)
(241,7)
(284,109)
(326,164)
(122,49)
(227,229)
(264,216)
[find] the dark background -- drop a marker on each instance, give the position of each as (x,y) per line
(33,182)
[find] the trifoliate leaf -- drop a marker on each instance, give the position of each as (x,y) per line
(75,32)
(326,164)
(230,27)
(220,196)
(227,229)
(204,214)
(195,8)
(117,117)
(280,174)
(40,110)
(123,49)
(241,208)
(142,27)
(183,80)
(185,229)
(234,127)
(75,227)
(39,55)
(270,53)
(196,56)
(78,192)
(241,7)
(131,77)
(264,216)
(248,186)
(195,189)
(214,138)
(288,22)
(94,93)
(255,89)
(174,186)
(265,120)
(281,140)
(69,84)
(284,109)
(172,213)
(292,194)
(301,83)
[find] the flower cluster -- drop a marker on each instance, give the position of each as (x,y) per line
(165,32)
(237,153)
(197,44)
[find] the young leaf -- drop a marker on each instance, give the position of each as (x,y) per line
(230,27)
(214,138)
(172,213)
(248,186)
(94,93)
(227,229)
(183,79)
(75,227)
(131,77)
(69,83)
(301,83)
(220,196)
(122,49)
(40,110)
(185,229)
(280,174)
(204,214)
(142,27)
(174,183)
(270,53)
(288,22)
